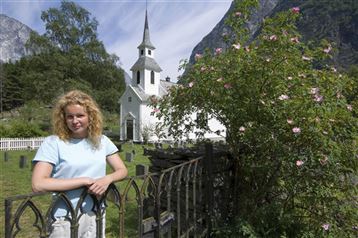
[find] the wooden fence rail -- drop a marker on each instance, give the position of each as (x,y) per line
(20,143)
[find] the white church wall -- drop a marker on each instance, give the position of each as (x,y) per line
(214,126)
(129,108)
(148,120)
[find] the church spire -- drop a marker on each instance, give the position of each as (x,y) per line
(146,39)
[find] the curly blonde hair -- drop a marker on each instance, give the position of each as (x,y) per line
(95,121)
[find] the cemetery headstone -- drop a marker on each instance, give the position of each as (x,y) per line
(6,156)
(129,156)
(23,161)
(141,169)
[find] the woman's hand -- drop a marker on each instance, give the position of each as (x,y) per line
(99,186)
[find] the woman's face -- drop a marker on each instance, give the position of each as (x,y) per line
(77,120)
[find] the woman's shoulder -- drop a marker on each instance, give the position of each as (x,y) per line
(52,138)
(105,138)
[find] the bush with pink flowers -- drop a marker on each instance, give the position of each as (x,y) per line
(289,125)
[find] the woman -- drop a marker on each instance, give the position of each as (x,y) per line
(74,157)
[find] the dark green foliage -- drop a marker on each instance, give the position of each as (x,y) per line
(21,129)
(291,128)
(68,56)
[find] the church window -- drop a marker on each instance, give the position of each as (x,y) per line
(129,99)
(138,77)
(149,52)
(141,52)
(152,77)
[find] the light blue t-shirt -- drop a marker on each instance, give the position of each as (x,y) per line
(72,159)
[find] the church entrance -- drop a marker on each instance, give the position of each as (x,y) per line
(129,126)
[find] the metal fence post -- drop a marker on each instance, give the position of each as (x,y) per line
(8,230)
(209,195)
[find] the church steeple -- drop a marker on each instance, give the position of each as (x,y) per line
(146,39)
(146,71)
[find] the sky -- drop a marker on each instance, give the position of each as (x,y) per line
(176,26)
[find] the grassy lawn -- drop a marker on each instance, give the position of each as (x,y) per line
(17,181)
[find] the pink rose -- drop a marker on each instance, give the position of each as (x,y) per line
(198,56)
(295,40)
(314,91)
(273,37)
(236,46)
(289,121)
(296,130)
(328,49)
(295,10)
(325,226)
(299,163)
(283,97)
(324,160)
(318,98)
(227,86)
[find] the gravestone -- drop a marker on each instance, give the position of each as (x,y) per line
(23,161)
(129,156)
(141,169)
(6,156)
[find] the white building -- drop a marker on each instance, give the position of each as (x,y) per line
(136,116)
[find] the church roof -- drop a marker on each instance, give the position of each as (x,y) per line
(142,95)
(164,87)
(146,63)
(146,39)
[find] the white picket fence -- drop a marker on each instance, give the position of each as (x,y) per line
(20,143)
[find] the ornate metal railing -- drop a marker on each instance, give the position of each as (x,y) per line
(177,202)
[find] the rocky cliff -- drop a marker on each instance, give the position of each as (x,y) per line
(13,37)
(215,40)
(334,20)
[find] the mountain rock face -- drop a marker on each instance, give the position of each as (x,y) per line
(215,38)
(13,37)
(334,20)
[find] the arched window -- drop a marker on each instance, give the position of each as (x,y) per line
(138,77)
(149,52)
(141,52)
(152,77)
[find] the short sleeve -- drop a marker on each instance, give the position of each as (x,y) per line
(110,147)
(48,151)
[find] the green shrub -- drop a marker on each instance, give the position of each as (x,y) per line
(289,126)
(3,131)
(21,129)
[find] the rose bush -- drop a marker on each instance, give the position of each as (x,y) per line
(289,126)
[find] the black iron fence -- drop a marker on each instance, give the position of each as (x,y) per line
(184,200)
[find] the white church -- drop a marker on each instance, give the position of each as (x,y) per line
(136,114)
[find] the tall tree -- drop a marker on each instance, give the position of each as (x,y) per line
(69,26)
(67,56)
